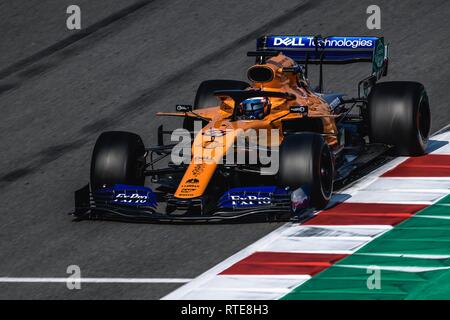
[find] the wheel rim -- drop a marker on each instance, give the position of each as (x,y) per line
(326,173)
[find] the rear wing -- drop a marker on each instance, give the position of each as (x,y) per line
(330,50)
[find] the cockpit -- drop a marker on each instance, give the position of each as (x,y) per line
(253,108)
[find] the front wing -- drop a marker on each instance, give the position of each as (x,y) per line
(141,204)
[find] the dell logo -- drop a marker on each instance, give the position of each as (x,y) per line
(296,42)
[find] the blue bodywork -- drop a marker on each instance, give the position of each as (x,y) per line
(123,194)
(333,99)
(140,204)
(331,50)
(235,198)
(250,197)
(336,48)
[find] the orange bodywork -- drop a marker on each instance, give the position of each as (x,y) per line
(207,152)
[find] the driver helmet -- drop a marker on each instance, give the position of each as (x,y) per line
(254,108)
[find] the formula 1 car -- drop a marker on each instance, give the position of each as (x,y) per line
(313,140)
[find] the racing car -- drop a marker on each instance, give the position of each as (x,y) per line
(318,139)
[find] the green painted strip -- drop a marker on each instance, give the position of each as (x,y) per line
(426,233)
(418,222)
(349,283)
(373,260)
(436,210)
(440,208)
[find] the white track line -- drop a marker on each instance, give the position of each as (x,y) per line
(395,268)
(91,280)
(407,255)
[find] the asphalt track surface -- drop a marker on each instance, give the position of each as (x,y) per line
(59,89)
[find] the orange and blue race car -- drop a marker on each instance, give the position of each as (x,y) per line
(269,149)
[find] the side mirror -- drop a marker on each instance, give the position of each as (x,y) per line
(183,108)
(303,110)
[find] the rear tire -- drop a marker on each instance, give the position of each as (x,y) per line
(118,158)
(306,161)
(205,96)
(399,115)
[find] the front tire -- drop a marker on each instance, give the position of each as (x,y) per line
(399,115)
(118,158)
(306,161)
